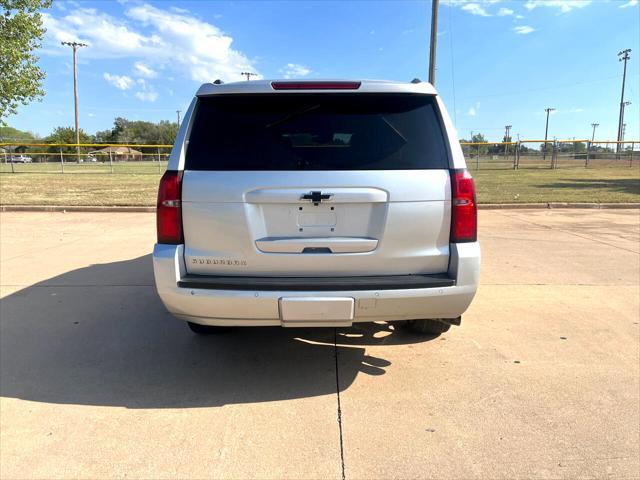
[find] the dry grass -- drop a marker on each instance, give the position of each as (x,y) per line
(136,184)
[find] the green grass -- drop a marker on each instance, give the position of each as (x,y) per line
(575,185)
(137,183)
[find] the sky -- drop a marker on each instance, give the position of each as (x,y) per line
(498,62)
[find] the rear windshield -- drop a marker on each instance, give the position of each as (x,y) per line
(316,132)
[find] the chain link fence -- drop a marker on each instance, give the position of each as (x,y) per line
(83,158)
(551,154)
(152,159)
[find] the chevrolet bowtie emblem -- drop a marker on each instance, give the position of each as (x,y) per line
(316,196)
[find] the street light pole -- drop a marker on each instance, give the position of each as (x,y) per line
(434,42)
(178,113)
(75,46)
(624,57)
(546,131)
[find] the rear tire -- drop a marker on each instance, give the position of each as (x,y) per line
(206,329)
(428,326)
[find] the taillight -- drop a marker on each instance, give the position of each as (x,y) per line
(169,211)
(464,214)
(315,85)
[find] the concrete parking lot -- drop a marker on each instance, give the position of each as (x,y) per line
(540,381)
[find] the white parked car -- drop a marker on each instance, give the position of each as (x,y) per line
(21,159)
(317,203)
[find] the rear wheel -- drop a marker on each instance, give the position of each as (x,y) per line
(428,326)
(206,329)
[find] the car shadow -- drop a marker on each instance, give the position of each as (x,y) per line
(99,335)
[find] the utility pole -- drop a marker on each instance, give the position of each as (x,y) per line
(507,133)
(507,138)
(178,113)
(623,57)
(593,133)
(249,75)
(546,131)
(624,106)
(75,46)
(434,42)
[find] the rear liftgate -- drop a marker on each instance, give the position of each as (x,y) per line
(319,217)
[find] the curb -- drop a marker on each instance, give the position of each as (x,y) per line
(76,208)
(481,206)
(521,206)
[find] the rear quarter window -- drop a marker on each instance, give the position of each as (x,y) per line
(316,132)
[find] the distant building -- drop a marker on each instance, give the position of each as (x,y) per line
(119,154)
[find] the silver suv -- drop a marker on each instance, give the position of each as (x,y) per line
(316,204)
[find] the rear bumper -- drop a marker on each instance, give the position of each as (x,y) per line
(208,305)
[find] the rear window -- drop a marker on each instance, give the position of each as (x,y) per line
(316,132)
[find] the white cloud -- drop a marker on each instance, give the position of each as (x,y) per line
(121,82)
(205,51)
(106,36)
(475,9)
(147,96)
(146,92)
(563,5)
(154,37)
(457,3)
(630,3)
(144,70)
(295,70)
(474,110)
(481,7)
(523,29)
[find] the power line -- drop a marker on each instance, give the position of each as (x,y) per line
(542,89)
(453,75)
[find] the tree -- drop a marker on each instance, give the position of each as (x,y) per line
(21,33)
(8,134)
(66,135)
(479,138)
(139,132)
